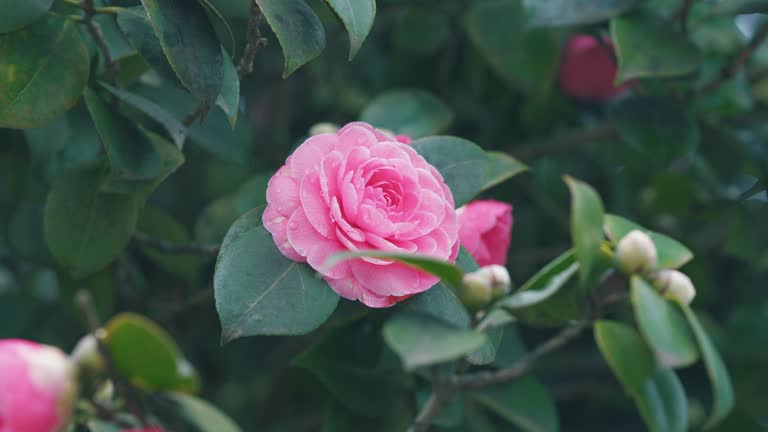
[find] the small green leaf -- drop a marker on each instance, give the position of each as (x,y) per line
(524,402)
(662,403)
(502,167)
(86,229)
(543,285)
(586,225)
(223,30)
(357,16)
(134,24)
(663,325)
(463,165)
(421,340)
(672,254)
(446,271)
(626,352)
(486,354)
(564,13)
(649,47)
(261,292)
(43,71)
(188,413)
(718,374)
(190,45)
(17,14)
(298,29)
(158,365)
(415,113)
(229,98)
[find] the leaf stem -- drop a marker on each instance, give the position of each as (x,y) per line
(89,10)
(254,41)
(729,70)
(176,248)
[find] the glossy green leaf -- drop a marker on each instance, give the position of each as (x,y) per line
(626,353)
(446,271)
(160,225)
(543,285)
(463,165)
(229,98)
(415,113)
(662,403)
(223,30)
(525,58)
(158,365)
(722,389)
(649,47)
(563,13)
(135,25)
(43,70)
(502,167)
(18,14)
(486,354)
(357,16)
(298,29)
(190,45)
(660,130)
(261,292)
(663,325)
(586,225)
(421,340)
(672,254)
(524,402)
(86,228)
(188,413)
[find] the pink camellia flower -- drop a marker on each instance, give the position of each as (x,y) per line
(485,230)
(405,139)
(359,189)
(588,70)
(38,387)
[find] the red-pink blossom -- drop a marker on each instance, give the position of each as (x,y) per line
(588,69)
(485,230)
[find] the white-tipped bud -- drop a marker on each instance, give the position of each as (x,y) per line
(675,285)
(484,285)
(86,355)
(321,128)
(636,253)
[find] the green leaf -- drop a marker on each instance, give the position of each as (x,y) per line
(17,14)
(298,29)
(502,167)
(486,354)
(543,285)
(672,254)
(527,59)
(663,326)
(564,13)
(158,365)
(463,165)
(86,229)
(649,47)
(160,225)
(134,24)
(446,271)
(586,225)
(260,292)
(718,374)
(626,352)
(229,98)
(662,403)
(357,16)
(223,30)
(523,402)
(190,45)
(188,413)
(43,70)
(421,340)
(657,128)
(415,113)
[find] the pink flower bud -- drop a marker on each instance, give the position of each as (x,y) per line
(588,70)
(485,230)
(38,387)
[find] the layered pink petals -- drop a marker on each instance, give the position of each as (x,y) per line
(485,230)
(361,189)
(38,387)
(588,70)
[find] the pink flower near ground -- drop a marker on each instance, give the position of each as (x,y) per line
(358,189)
(588,70)
(485,230)
(38,387)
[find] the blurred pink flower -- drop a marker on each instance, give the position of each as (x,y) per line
(405,139)
(485,230)
(357,189)
(38,387)
(588,70)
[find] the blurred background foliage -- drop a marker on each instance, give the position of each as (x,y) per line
(688,162)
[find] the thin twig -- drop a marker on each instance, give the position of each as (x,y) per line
(254,41)
(176,248)
(731,68)
(95,31)
(433,405)
(563,142)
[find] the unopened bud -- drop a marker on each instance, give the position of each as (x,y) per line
(675,285)
(86,355)
(484,285)
(636,253)
(322,128)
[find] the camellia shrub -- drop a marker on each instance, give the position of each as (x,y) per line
(361,215)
